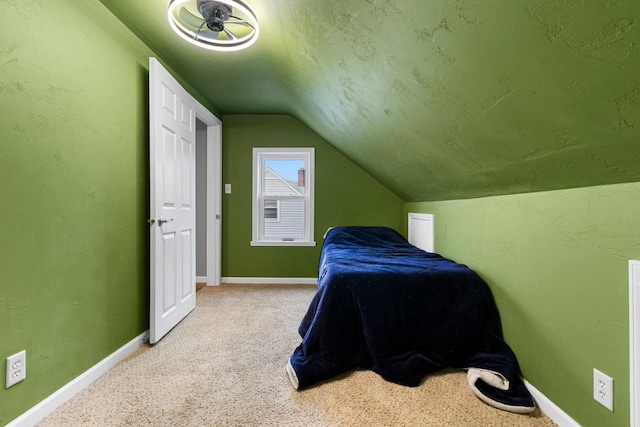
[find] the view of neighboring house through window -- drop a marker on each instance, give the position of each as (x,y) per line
(283,196)
(271,210)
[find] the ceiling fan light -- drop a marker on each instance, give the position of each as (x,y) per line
(228,45)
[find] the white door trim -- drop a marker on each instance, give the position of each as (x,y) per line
(634,341)
(214,191)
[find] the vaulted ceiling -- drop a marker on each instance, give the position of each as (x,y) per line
(437,99)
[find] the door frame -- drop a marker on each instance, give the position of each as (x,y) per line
(214,191)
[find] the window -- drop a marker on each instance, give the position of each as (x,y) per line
(271,210)
(283,197)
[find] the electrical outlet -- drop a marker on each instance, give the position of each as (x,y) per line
(603,389)
(16,368)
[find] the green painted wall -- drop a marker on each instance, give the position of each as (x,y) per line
(74,190)
(467,98)
(557,263)
(345,195)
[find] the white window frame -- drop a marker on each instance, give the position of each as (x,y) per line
(260,156)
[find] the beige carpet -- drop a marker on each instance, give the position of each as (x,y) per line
(224,365)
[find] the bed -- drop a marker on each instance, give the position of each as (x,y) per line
(385,305)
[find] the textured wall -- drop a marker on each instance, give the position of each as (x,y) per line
(438,99)
(344,195)
(557,263)
(74,188)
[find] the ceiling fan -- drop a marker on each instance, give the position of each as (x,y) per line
(216,25)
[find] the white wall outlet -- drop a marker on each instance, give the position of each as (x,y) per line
(603,389)
(16,368)
(227,189)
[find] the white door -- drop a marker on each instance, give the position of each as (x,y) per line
(172,192)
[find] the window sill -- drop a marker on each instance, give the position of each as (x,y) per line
(281,243)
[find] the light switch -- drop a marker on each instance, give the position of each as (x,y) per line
(227,189)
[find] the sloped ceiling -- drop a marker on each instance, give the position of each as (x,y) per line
(437,99)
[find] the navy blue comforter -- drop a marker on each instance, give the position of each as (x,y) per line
(385,305)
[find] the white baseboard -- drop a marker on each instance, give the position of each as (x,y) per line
(201,279)
(66,392)
(270,280)
(552,410)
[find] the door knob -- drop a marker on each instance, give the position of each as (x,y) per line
(162,221)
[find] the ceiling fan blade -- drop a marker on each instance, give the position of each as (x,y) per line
(240,22)
(190,19)
(230,35)
(206,33)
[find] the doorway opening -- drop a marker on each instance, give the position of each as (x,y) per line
(201,205)
(208,201)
